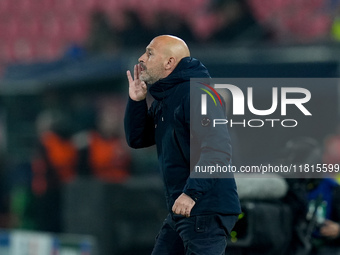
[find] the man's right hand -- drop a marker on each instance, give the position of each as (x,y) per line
(137,87)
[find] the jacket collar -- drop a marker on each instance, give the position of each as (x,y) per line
(187,68)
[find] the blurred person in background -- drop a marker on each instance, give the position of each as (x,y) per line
(134,32)
(235,23)
(102,35)
(326,236)
(292,22)
(166,22)
(202,212)
(315,202)
(54,164)
(102,152)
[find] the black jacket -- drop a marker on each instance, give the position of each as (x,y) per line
(167,123)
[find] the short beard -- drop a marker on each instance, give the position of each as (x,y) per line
(148,79)
(151,78)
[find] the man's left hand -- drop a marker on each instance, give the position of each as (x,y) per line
(183,205)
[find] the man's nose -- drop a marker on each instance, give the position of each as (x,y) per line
(141,58)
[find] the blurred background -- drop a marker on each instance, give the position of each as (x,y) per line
(70,185)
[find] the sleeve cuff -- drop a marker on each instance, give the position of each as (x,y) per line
(196,196)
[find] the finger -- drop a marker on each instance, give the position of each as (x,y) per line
(182,211)
(174,208)
(135,72)
(186,213)
(144,87)
(139,68)
(178,210)
(128,74)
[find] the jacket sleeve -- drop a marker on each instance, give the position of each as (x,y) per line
(209,145)
(138,124)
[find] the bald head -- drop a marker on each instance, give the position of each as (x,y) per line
(161,57)
(172,46)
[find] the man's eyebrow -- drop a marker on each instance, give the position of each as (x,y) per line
(148,49)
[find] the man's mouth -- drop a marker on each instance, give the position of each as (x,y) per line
(142,68)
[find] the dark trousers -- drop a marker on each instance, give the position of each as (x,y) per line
(196,235)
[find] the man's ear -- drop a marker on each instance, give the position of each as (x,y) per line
(170,64)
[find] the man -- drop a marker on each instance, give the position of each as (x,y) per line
(201,211)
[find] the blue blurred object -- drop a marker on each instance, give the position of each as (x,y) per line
(75,51)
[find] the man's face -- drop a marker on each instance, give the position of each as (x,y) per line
(152,63)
